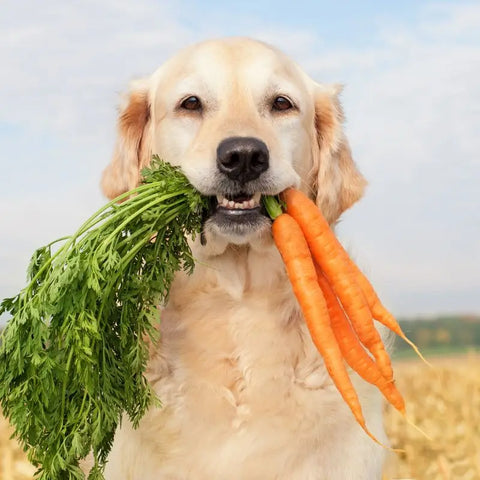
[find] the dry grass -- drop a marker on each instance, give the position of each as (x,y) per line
(13,463)
(444,402)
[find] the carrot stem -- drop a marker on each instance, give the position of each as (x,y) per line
(273,205)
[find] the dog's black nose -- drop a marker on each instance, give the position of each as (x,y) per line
(242,158)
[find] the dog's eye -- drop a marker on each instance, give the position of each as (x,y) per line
(282,103)
(191,103)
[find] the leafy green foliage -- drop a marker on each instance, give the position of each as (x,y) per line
(73,354)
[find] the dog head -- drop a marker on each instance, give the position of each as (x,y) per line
(241,120)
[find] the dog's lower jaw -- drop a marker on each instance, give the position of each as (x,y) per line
(216,237)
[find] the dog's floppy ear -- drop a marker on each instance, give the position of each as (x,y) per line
(335,180)
(133,146)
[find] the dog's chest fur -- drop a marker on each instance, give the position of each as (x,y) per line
(245,394)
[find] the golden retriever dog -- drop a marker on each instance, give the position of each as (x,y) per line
(245,394)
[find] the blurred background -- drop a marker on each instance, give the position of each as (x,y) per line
(411,72)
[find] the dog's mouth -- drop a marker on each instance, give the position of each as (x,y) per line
(238,215)
(238,205)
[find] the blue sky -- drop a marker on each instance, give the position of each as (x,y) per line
(349,23)
(411,72)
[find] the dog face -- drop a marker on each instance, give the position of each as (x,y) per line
(241,120)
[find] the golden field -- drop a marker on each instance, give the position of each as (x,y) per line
(444,402)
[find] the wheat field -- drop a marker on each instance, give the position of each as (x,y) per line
(444,402)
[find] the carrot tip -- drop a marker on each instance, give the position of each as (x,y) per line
(417,351)
(416,427)
(402,410)
(378,442)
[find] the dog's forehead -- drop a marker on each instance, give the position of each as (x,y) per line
(219,65)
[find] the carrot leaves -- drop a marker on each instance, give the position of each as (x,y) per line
(73,354)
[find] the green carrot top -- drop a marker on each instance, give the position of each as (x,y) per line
(73,354)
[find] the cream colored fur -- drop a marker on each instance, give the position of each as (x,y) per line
(245,393)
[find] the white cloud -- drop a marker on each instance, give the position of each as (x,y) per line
(412,103)
(457,21)
(65,62)
(413,123)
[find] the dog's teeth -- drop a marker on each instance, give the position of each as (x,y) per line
(253,202)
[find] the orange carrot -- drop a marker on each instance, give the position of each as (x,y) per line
(336,264)
(301,271)
(352,351)
(379,312)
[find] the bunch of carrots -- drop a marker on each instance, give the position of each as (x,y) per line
(338,302)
